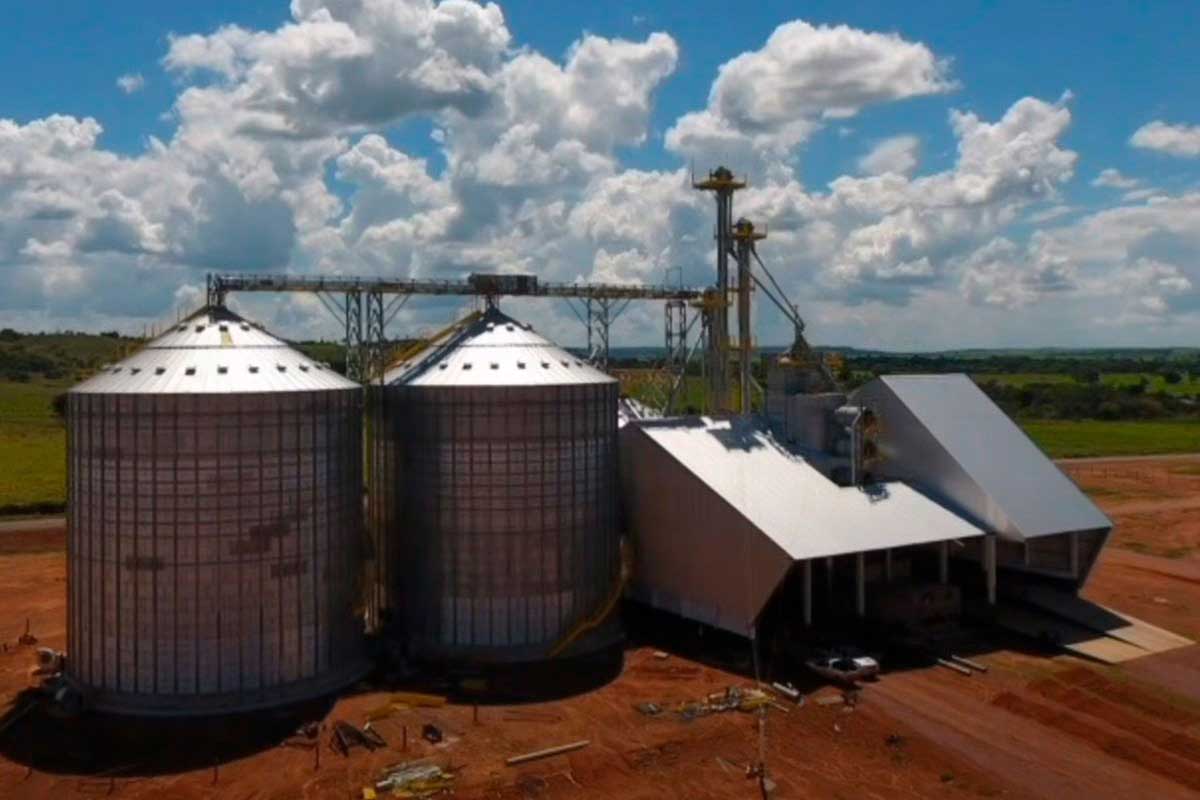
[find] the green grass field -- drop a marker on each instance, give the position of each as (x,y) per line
(32,447)
(1077,439)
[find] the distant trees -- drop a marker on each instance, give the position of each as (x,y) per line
(1087,401)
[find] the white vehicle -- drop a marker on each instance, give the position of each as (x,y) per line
(844,668)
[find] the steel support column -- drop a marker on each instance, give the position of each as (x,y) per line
(602,312)
(375,338)
(676,331)
(599,312)
(829,581)
(808,593)
(989,566)
(860,585)
(355,368)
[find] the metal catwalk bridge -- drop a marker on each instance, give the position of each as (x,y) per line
(365,315)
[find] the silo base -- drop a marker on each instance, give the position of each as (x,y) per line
(606,635)
(199,705)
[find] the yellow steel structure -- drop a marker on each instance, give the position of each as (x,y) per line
(722,183)
(744,237)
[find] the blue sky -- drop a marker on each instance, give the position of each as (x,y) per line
(1125,66)
(1124,61)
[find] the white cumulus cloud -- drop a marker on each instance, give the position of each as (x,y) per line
(899,154)
(131,82)
(766,102)
(1111,178)
(1175,140)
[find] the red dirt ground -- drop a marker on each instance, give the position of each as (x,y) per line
(1154,502)
(1035,725)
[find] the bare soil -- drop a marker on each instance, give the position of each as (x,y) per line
(1154,502)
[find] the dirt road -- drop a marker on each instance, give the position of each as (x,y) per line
(32,524)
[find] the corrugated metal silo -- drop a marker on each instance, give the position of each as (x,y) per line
(214,524)
(502,524)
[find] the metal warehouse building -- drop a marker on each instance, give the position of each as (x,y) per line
(722,510)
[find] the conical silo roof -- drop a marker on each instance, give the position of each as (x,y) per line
(214,352)
(494,350)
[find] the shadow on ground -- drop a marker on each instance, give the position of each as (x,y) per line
(106,745)
(96,745)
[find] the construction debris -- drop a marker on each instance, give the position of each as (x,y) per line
(960,669)
(734,698)
(372,735)
(549,751)
(789,691)
(830,700)
(966,662)
(662,656)
(432,733)
(413,779)
(27,637)
(346,737)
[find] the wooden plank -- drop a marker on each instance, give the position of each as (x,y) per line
(549,751)
(959,668)
(966,662)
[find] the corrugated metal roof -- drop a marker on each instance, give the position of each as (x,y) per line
(214,352)
(792,502)
(495,350)
(1026,494)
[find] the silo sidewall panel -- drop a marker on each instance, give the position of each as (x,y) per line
(213,547)
(505,520)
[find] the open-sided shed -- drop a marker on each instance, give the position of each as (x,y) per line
(720,512)
(944,436)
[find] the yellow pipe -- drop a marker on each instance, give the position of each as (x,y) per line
(594,621)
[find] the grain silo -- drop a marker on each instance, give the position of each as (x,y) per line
(502,461)
(214,524)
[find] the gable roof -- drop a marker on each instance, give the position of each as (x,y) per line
(1003,481)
